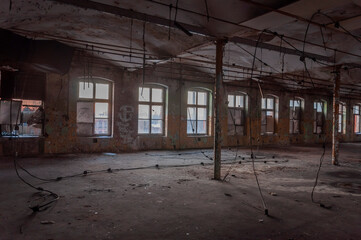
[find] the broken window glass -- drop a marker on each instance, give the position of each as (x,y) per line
(144,94)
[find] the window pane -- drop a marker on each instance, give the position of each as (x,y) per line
(144,94)
(192,96)
(269,103)
(143,126)
(297,103)
(263,103)
(191,127)
(85,90)
(101,110)
(191,113)
(101,126)
(230,100)
(291,103)
(202,127)
(357,124)
(202,98)
(269,113)
(356,109)
(85,112)
(84,129)
(240,101)
(143,112)
(238,117)
(101,91)
(157,112)
(157,95)
(157,126)
(319,107)
(202,114)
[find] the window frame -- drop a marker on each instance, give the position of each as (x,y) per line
(342,110)
(291,120)
(323,106)
(94,100)
(354,117)
(266,109)
(198,106)
(232,110)
(151,104)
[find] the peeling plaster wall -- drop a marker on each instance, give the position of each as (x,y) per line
(60,115)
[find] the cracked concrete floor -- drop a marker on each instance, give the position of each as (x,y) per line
(173,201)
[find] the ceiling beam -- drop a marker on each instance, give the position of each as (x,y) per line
(86,4)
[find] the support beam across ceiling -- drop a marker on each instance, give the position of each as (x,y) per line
(86,4)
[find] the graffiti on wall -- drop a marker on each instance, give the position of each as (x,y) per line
(125,117)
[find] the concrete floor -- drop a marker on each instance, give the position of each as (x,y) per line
(183,202)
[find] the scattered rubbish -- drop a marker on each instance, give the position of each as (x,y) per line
(95,213)
(228,195)
(325,206)
(202,163)
(233,175)
(183,180)
(87,206)
(336,196)
(272,193)
(260,220)
(47,222)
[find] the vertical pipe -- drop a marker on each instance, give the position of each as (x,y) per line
(218,103)
(335,122)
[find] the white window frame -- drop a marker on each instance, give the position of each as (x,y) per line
(94,100)
(198,106)
(232,109)
(150,104)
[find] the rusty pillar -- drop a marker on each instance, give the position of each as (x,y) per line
(335,107)
(218,107)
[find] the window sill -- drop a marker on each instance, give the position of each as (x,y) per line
(105,137)
(151,135)
(21,137)
(269,134)
(200,135)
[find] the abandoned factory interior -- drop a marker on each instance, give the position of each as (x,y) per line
(179,119)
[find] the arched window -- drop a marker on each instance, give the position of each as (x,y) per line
(237,104)
(319,113)
(357,118)
(269,114)
(198,111)
(94,107)
(295,115)
(342,118)
(151,110)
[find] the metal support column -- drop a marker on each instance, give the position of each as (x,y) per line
(335,122)
(218,105)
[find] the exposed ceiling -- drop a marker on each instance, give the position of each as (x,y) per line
(114,30)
